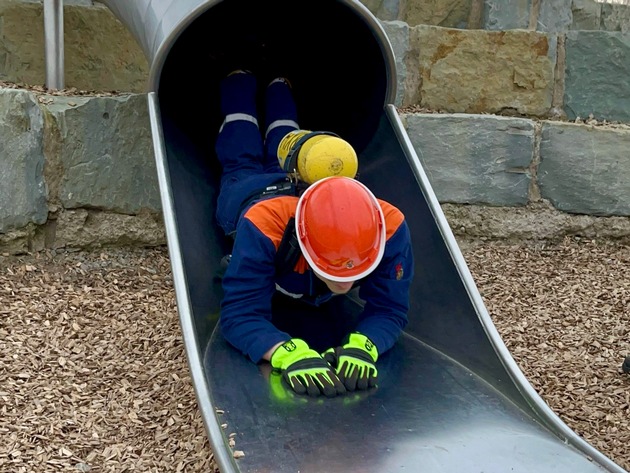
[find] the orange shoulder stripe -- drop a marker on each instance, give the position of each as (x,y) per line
(271,217)
(393,217)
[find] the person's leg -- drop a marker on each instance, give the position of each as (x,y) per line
(280,119)
(239,146)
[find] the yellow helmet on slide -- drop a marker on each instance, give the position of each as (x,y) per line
(316,155)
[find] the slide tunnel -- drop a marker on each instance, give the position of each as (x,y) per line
(450,396)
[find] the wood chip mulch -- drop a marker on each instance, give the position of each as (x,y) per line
(93,375)
(92,368)
(564,312)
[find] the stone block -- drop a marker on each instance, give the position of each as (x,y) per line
(615,18)
(474,159)
(446,13)
(583,169)
(83,228)
(555,16)
(475,71)
(23,190)
(586,15)
(596,75)
(503,15)
(101,154)
(398,35)
(386,10)
(99,52)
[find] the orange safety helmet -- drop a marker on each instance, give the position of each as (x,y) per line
(340,228)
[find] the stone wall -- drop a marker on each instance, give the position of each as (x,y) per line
(100,54)
(542,15)
(491,113)
(76,171)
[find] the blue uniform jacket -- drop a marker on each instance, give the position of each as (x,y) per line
(250,281)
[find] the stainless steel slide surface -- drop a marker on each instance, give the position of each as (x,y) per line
(429,414)
(450,396)
(445,402)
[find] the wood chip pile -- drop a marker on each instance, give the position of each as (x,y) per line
(93,375)
(92,368)
(564,313)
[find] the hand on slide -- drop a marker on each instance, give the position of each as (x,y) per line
(305,371)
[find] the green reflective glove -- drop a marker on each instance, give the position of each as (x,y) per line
(305,370)
(355,362)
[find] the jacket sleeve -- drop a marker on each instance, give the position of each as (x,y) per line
(248,287)
(386,292)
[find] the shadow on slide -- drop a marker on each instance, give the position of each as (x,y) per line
(450,397)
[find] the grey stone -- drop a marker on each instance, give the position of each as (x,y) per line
(474,158)
(555,16)
(506,14)
(583,169)
(586,15)
(23,190)
(615,18)
(398,35)
(104,154)
(83,467)
(596,77)
(387,10)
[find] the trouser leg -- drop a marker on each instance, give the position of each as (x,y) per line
(239,148)
(239,145)
(280,119)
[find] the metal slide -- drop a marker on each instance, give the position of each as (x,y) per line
(450,396)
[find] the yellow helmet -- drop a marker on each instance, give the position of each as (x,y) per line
(316,155)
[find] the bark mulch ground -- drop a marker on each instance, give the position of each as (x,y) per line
(93,375)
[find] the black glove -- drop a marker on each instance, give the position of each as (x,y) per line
(355,362)
(305,370)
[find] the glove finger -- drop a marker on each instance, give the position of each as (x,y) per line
(337,385)
(348,374)
(372,377)
(362,378)
(313,388)
(295,382)
(326,385)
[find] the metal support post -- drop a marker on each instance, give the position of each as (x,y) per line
(53,34)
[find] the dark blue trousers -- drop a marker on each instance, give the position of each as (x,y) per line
(248,157)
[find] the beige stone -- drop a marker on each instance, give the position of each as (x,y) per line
(100,53)
(477,71)
(16,242)
(83,228)
(447,13)
(536,222)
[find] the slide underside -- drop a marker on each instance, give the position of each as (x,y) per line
(450,397)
